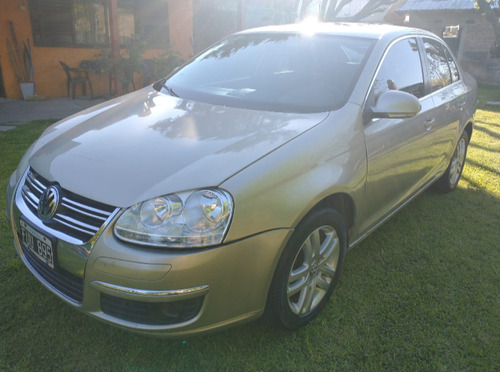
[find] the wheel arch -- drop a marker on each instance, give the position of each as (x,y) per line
(343,204)
(468,128)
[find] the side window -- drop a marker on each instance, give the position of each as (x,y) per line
(439,69)
(401,70)
(455,75)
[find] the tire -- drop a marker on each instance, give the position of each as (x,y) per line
(449,180)
(308,269)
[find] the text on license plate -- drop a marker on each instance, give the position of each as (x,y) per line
(37,243)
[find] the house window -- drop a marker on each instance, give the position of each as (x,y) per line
(85,23)
(90,22)
(451,32)
(151,21)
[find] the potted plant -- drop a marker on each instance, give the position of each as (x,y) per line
(126,64)
(22,63)
(131,61)
(165,63)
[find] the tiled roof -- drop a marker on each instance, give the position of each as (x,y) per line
(415,5)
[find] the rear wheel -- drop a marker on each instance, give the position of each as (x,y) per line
(449,180)
(308,269)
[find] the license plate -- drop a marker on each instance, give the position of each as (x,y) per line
(37,243)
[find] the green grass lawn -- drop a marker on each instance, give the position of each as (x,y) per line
(421,293)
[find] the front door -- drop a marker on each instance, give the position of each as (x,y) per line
(398,157)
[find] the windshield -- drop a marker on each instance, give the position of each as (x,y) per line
(274,72)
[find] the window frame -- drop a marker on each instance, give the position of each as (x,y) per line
(384,59)
(41,20)
(370,100)
(448,55)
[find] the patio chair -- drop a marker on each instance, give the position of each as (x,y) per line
(74,77)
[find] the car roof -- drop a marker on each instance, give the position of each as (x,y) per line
(365,30)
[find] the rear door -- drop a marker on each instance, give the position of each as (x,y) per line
(449,94)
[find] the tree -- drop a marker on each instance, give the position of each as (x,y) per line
(491,12)
(329,10)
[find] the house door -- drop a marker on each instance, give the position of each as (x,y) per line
(452,35)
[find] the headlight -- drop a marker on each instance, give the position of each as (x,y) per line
(185,220)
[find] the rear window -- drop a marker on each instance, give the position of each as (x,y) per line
(274,72)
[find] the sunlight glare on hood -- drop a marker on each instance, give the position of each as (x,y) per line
(309,26)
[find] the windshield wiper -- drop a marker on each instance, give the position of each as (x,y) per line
(162,84)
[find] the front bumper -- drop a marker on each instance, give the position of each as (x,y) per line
(154,291)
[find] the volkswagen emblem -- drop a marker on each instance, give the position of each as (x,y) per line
(49,202)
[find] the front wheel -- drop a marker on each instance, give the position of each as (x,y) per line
(308,269)
(449,180)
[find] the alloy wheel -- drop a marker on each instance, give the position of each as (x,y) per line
(313,270)
(457,161)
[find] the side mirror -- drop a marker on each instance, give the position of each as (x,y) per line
(394,104)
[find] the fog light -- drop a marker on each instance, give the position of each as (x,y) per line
(175,312)
(151,313)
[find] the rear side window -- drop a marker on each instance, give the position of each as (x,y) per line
(401,69)
(439,68)
(455,75)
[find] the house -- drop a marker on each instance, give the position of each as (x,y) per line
(73,31)
(462,26)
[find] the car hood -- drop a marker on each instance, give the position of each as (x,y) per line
(147,144)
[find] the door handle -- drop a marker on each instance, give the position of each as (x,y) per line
(429,123)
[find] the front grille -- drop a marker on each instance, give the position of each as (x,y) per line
(77,216)
(151,313)
(63,281)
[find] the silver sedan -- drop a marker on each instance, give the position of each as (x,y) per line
(233,187)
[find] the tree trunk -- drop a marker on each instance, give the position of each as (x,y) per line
(491,16)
